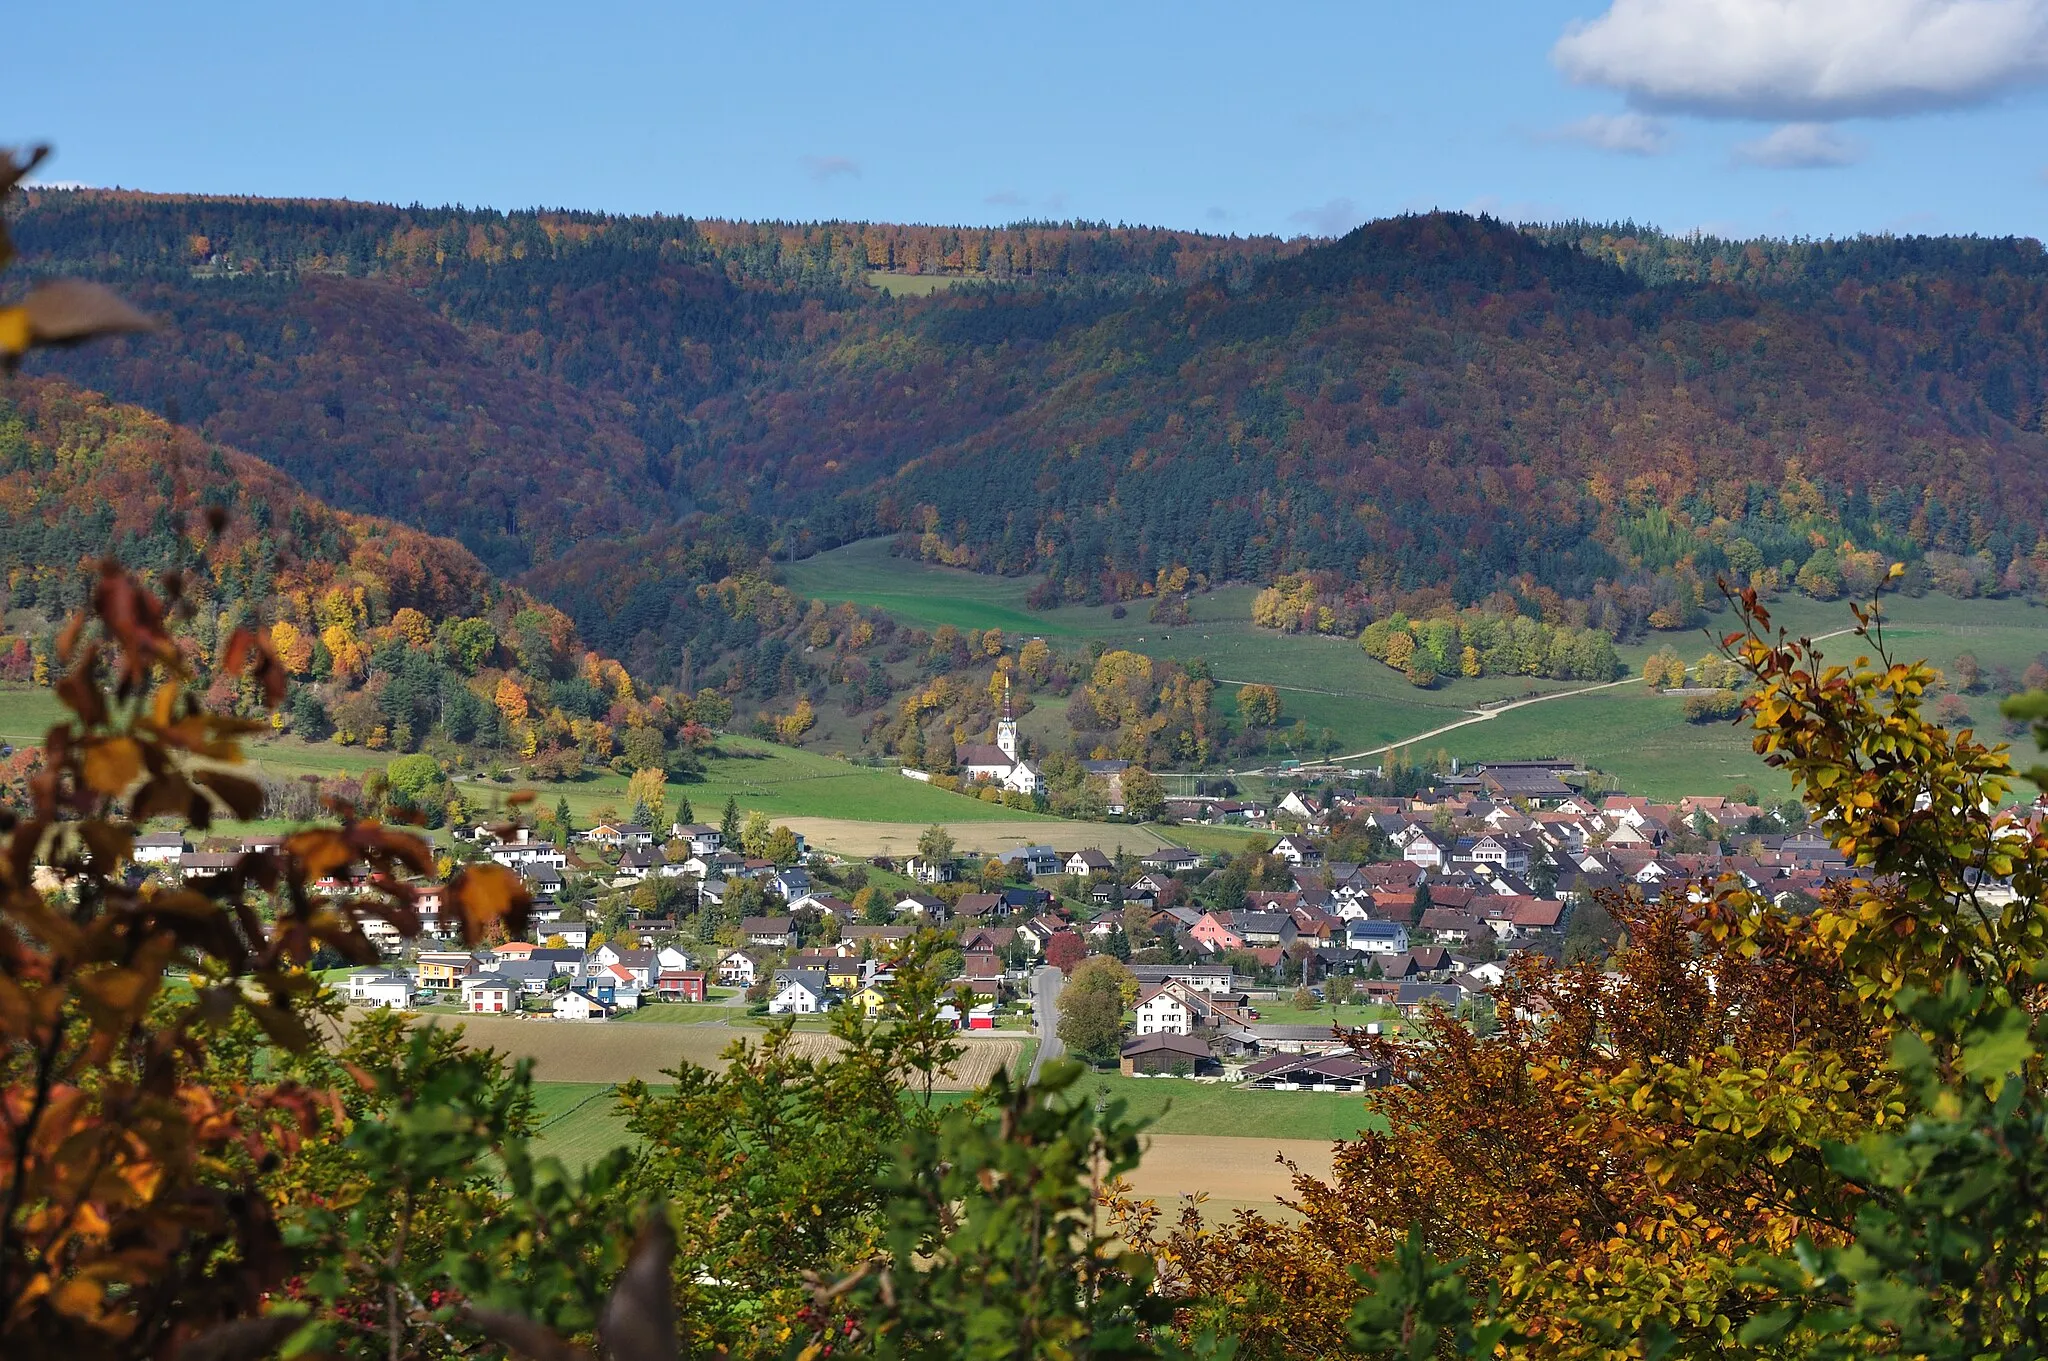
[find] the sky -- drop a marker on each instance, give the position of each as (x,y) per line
(1735,117)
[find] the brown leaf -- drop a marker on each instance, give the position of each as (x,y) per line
(639,1320)
(244,798)
(483,894)
(66,311)
(111,764)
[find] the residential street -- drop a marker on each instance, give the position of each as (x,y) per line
(1045,1000)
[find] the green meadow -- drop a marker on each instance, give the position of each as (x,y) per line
(1639,737)
(579,1121)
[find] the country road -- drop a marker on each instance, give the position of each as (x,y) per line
(1045,1005)
(1476,716)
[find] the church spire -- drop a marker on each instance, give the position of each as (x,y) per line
(1006,728)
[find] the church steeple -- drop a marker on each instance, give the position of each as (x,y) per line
(1006,728)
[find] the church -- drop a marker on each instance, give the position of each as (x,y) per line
(999,764)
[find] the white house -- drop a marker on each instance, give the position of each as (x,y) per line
(1377,937)
(489,993)
(804,992)
(1081,864)
(1165,1011)
(578,1005)
(703,840)
(160,848)
(523,849)
(379,989)
(738,969)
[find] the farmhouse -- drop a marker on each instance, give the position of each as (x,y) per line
(160,848)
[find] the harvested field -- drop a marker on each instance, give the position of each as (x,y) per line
(605,1052)
(849,836)
(1233,1172)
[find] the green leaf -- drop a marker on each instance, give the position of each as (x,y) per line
(2001,1049)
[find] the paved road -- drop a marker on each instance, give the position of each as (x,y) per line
(1045,1004)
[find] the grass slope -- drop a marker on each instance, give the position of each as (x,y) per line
(1641,738)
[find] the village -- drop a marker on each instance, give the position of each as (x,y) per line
(1341,912)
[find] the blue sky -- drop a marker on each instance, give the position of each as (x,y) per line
(1780,117)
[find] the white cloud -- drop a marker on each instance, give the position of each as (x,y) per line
(1004,198)
(823,168)
(1334,218)
(1632,134)
(1808,60)
(1799,146)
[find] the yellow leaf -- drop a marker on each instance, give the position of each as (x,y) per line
(14,330)
(112,763)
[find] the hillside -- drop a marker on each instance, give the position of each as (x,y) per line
(395,640)
(1436,409)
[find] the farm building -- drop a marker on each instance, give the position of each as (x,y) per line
(1166,1052)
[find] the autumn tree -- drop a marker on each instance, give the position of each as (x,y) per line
(1259,706)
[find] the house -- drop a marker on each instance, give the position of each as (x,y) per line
(1316,1073)
(578,1004)
(161,848)
(803,992)
(681,985)
(1165,1009)
(522,848)
(1376,937)
(1036,860)
(824,904)
(1452,926)
(923,906)
(1526,779)
(790,884)
(1213,979)
(207,864)
(1305,807)
(489,993)
(1166,1052)
(923,871)
(1297,851)
(1170,860)
(1084,864)
(980,907)
(776,932)
(703,840)
(1416,998)
(639,965)
(1426,849)
(376,988)
(739,969)
(542,881)
(530,976)
(446,968)
(620,836)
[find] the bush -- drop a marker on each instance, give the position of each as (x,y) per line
(1718,707)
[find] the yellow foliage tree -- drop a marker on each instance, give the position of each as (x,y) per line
(511,700)
(293,648)
(414,627)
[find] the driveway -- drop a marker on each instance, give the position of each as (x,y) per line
(1045,1004)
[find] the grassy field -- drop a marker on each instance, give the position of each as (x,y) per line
(1327,682)
(1227,1110)
(1639,737)
(913,285)
(1643,737)
(1206,1137)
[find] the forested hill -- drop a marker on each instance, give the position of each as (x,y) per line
(1436,403)
(393,638)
